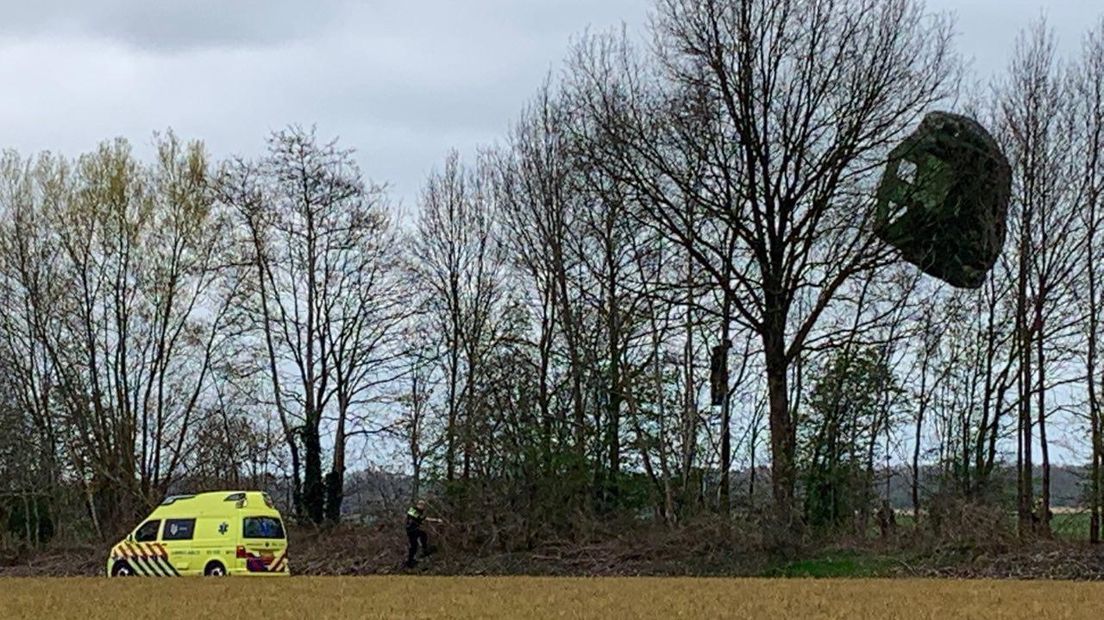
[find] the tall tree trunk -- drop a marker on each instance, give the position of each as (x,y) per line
(471,398)
(544,391)
(1023,349)
(783,476)
(613,422)
(613,335)
(917,436)
(726,416)
(689,426)
(1093,92)
(1094,499)
(1044,446)
(571,336)
(1090,377)
(453,344)
(335,480)
(290,438)
(314,491)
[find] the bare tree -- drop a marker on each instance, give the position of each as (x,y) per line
(1088,91)
(116,269)
(323,248)
(770,116)
(1036,117)
(460,264)
(240,186)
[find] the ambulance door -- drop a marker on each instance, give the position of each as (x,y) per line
(178,547)
(265,544)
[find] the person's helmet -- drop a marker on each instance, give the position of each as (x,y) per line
(420,504)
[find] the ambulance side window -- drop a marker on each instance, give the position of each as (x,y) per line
(148,532)
(178,529)
(262,527)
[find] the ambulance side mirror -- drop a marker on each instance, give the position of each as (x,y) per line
(130,537)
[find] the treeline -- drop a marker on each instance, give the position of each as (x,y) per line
(663,274)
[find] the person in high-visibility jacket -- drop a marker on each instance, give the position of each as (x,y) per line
(415,535)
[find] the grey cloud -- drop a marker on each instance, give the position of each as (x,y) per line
(987,29)
(173,25)
(177,25)
(401,81)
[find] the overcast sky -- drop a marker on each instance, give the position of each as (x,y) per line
(401,81)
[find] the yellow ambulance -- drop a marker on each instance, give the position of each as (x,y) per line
(214,534)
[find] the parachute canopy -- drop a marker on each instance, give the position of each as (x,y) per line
(943,199)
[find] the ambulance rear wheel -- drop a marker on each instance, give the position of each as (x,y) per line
(122,569)
(215,569)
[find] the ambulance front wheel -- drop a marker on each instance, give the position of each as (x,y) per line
(215,569)
(122,569)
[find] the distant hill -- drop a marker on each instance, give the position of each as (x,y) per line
(1067,484)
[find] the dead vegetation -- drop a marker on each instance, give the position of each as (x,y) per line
(701,550)
(80,561)
(1045,561)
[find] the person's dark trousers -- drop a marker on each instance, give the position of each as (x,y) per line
(414,538)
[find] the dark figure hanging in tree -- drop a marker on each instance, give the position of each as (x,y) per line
(415,535)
